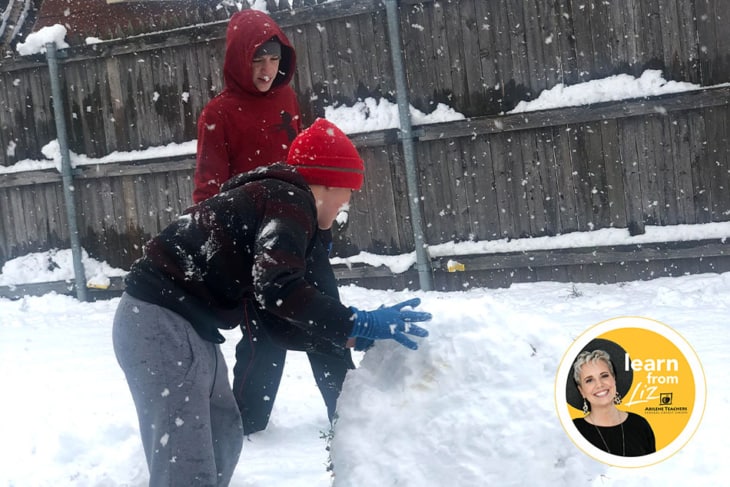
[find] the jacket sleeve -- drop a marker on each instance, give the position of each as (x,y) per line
(283,244)
(212,166)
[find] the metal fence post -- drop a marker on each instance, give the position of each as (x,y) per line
(423,261)
(66,172)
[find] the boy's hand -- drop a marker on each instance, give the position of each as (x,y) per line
(391,322)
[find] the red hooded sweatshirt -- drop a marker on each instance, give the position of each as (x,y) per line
(242,128)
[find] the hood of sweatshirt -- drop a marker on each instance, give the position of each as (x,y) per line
(247,31)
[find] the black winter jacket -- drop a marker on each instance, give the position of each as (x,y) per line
(253,239)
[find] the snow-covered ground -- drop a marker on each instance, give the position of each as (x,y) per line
(473,406)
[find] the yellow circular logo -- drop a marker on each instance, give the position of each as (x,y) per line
(656,385)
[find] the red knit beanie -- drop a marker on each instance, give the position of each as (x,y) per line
(324,155)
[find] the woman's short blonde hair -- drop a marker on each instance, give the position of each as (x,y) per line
(589,357)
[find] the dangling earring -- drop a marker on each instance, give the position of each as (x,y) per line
(617,398)
(585,406)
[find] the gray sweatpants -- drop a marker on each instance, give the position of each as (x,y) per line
(188,419)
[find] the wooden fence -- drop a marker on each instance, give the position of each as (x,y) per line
(661,161)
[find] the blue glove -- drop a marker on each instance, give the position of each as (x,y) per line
(391,322)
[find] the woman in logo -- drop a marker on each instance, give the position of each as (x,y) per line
(607,427)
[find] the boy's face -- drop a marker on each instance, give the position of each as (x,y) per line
(265,69)
(330,201)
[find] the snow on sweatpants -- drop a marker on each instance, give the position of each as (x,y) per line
(189,422)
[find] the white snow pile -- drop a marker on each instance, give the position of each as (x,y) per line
(36,42)
(444,411)
(612,88)
(55,265)
(369,115)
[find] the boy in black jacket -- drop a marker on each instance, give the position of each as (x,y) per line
(252,241)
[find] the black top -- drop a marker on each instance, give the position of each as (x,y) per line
(255,240)
(632,438)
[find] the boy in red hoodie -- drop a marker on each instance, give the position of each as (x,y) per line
(253,121)
(251,124)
